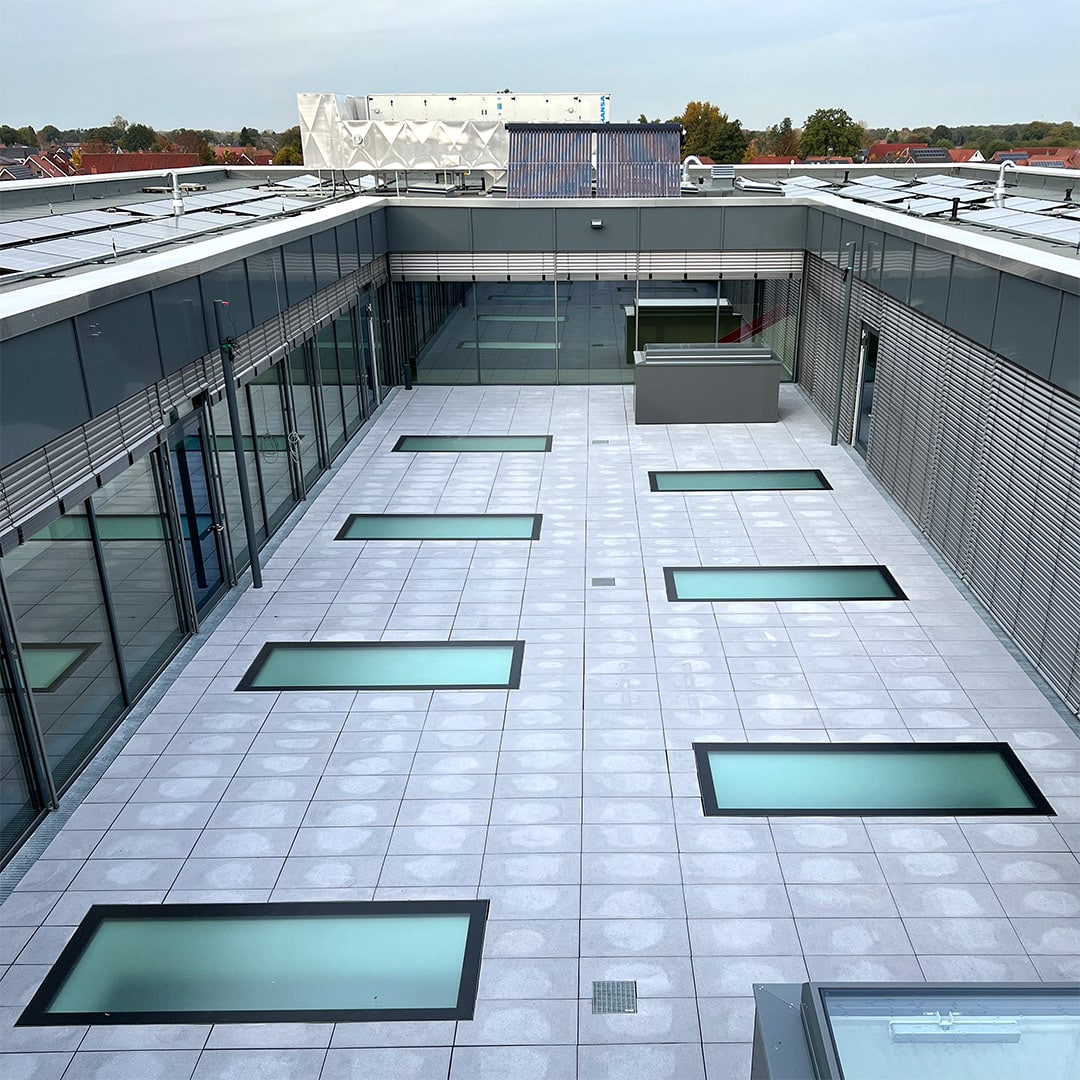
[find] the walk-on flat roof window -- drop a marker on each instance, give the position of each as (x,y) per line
(697,583)
(228,963)
(386,665)
(951,1033)
(739,480)
(474,444)
(441,527)
(862,779)
(898,1031)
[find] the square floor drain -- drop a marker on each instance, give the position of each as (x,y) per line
(614,996)
(603,581)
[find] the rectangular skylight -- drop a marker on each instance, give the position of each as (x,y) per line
(441,527)
(256,963)
(474,444)
(949,1032)
(386,665)
(697,583)
(739,480)
(864,779)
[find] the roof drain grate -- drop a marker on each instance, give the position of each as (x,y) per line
(614,996)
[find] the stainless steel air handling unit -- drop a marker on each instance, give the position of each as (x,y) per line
(710,384)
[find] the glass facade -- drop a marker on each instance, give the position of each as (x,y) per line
(566,332)
(101,598)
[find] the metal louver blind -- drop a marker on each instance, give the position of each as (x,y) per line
(641,162)
(549,162)
(984,457)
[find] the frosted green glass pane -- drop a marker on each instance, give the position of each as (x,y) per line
(843,779)
(368,665)
(277,961)
(781,583)
(48,665)
(956,1034)
(441,527)
(740,480)
(465,444)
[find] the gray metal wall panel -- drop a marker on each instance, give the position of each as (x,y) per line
(348,251)
(380,243)
(1025,323)
(119,350)
(871,255)
(930,282)
(1065,370)
(686,228)
(429,228)
(43,393)
(982,454)
(815,222)
(574,231)
(763,228)
(497,228)
(181,332)
(973,294)
(830,239)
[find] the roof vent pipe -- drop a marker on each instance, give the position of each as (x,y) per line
(955,209)
(691,159)
(177,200)
(999,189)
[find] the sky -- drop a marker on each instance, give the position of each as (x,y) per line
(225,64)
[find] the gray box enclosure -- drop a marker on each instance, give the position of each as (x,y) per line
(719,384)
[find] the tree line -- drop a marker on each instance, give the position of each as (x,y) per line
(120,134)
(708,132)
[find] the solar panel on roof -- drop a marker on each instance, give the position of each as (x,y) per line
(948,181)
(926,206)
(1044,228)
(19,260)
(1020,202)
(17,231)
(806,182)
(306,181)
(872,194)
(881,181)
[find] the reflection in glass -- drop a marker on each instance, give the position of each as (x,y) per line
(139,569)
(17,808)
(955,1034)
(56,598)
(592,333)
(305,414)
(437,318)
(266,403)
(516,331)
(330,389)
(230,483)
(350,371)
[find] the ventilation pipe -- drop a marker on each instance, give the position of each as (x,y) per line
(999,189)
(177,200)
(691,159)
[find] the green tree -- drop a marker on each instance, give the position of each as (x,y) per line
(941,134)
(137,137)
(291,137)
(288,155)
(989,147)
(781,140)
(8,135)
(110,135)
(709,133)
(830,131)
(248,136)
(50,134)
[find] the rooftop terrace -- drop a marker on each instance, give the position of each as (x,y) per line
(571,802)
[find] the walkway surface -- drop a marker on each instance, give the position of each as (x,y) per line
(572,803)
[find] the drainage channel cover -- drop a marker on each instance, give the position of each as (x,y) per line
(603,581)
(614,996)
